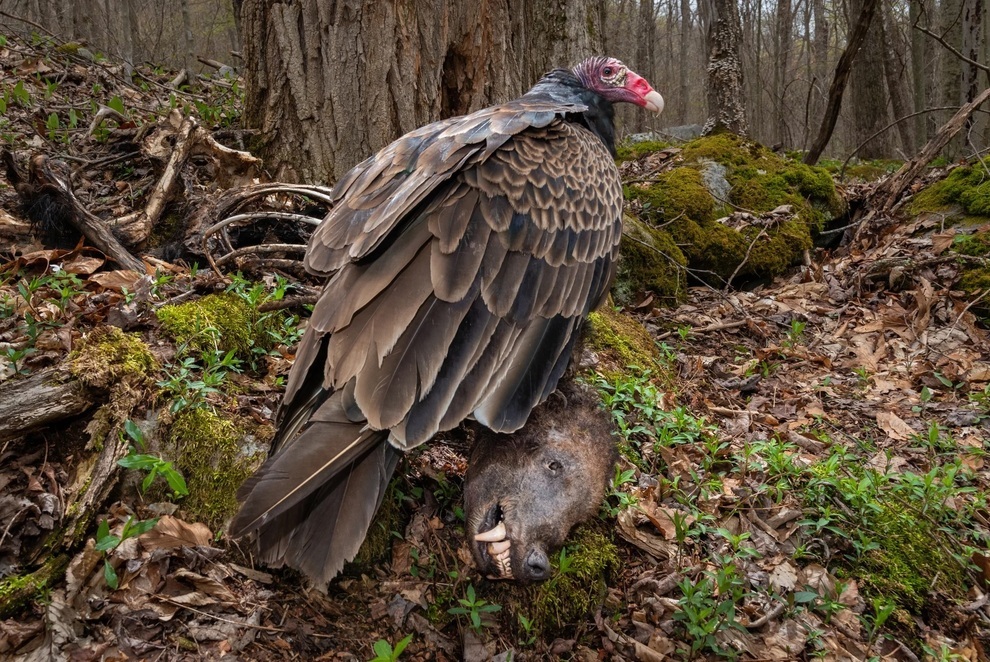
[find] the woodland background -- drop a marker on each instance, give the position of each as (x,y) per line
(921,59)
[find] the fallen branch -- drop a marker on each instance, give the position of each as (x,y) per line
(892,189)
(137,226)
(721,326)
(38,401)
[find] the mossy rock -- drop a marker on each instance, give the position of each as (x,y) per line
(108,355)
(974,278)
(677,192)
(718,250)
(649,261)
(963,195)
(758,181)
(215,454)
(620,342)
(630,151)
(221,322)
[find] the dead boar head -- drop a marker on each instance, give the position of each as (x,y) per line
(525,491)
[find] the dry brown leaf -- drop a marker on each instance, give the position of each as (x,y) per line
(941,242)
(784,577)
(83,265)
(646,541)
(171,532)
(116,280)
(894,426)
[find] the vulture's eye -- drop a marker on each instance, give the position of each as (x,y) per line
(608,71)
(554,466)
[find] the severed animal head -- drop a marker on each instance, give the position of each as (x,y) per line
(525,491)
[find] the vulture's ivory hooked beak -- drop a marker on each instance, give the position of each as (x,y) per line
(654,102)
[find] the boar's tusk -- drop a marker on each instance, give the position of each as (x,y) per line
(499,547)
(496,534)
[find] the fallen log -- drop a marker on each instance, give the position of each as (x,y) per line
(39,400)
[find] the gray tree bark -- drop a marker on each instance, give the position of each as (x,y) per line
(726,111)
(918,79)
(838,86)
(682,52)
(869,93)
(895,71)
(781,49)
(331,83)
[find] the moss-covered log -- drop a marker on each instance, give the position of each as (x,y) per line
(17,591)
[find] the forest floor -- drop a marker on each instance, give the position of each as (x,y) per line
(804,472)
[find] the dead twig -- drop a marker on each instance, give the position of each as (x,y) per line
(745,259)
(721,326)
(289,302)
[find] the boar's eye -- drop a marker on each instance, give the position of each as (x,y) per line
(554,466)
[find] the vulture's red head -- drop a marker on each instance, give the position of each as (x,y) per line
(617,83)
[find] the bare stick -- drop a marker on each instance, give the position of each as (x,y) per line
(892,189)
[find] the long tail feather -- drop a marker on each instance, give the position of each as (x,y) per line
(324,531)
(310,505)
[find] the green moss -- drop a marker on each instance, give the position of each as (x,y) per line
(976,244)
(632,151)
(909,564)
(677,192)
(725,148)
(108,356)
(207,450)
(216,322)
(620,341)
(649,261)
(571,596)
(18,591)
(965,191)
(759,182)
(377,545)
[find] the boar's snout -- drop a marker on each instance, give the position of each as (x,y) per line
(537,566)
(525,491)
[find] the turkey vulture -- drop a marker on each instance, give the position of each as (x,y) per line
(461,260)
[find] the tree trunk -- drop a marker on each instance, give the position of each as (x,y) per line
(644,50)
(188,57)
(781,47)
(82,19)
(820,49)
(896,73)
(971,40)
(682,70)
(838,86)
(869,98)
(331,83)
(920,82)
(724,83)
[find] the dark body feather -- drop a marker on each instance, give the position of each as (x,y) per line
(462,260)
